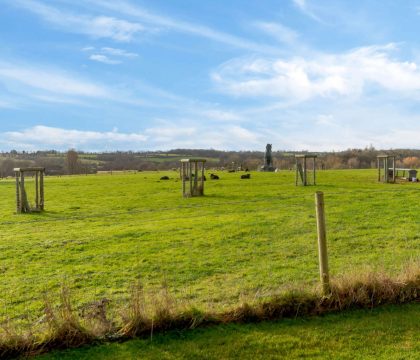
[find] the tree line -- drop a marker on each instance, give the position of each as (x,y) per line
(79,162)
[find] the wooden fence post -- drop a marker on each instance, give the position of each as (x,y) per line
(41,190)
(322,243)
(18,195)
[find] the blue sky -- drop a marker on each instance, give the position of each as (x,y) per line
(231,75)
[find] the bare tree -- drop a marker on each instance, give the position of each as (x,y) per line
(72,161)
(353,163)
(411,161)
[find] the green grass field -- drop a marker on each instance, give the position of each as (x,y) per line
(244,239)
(387,333)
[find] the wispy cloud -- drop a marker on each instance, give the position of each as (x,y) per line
(103,59)
(53,81)
(107,55)
(164,136)
(303,6)
(5,105)
(88,48)
(44,137)
(278,31)
(94,26)
(166,22)
(118,52)
(324,75)
(50,84)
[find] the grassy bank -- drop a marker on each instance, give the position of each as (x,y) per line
(384,333)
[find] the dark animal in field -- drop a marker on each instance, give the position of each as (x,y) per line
(231,170)
(164,178)
(246,170)
(214,177)
(246,176)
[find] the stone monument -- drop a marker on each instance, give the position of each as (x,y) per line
(268,160)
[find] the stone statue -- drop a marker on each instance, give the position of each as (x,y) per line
(268,159)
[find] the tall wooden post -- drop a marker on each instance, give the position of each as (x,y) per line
(195,177)
(386,169)
(393,169)
(322,243)
(37,206)
(191,181)
(23,199)
(41,189)
(202,179)
(379,169)
(304,171)
(314,170)
(18,197)
(296,177)
(183,177)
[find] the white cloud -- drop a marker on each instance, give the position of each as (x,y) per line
(169,134)
(57,82)
(44,137)
(118,52)
(319,75)
(199,136)
(54,85)
(105,52)
(123,30)
(300,3)
(220,115)
(303,6)
(166,22)
(279,32)
(95,26)
(325,120)
(165,136)
(5,105)
(103,59)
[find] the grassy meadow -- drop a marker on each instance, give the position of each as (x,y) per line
(244,239)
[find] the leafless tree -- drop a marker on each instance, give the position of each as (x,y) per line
(72,161)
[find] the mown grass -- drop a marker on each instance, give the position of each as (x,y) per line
(390,332)
(244,239)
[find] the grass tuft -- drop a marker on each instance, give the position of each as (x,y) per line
(64,328)
(135,317)
(369,289)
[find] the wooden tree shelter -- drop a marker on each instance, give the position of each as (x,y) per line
(22,203)
(384,162)
(302,170)
(190,168)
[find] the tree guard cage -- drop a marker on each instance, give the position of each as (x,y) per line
(190,169)
(22,202)
(384,162)
(303,171)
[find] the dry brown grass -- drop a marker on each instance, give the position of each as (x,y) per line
(64,327)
